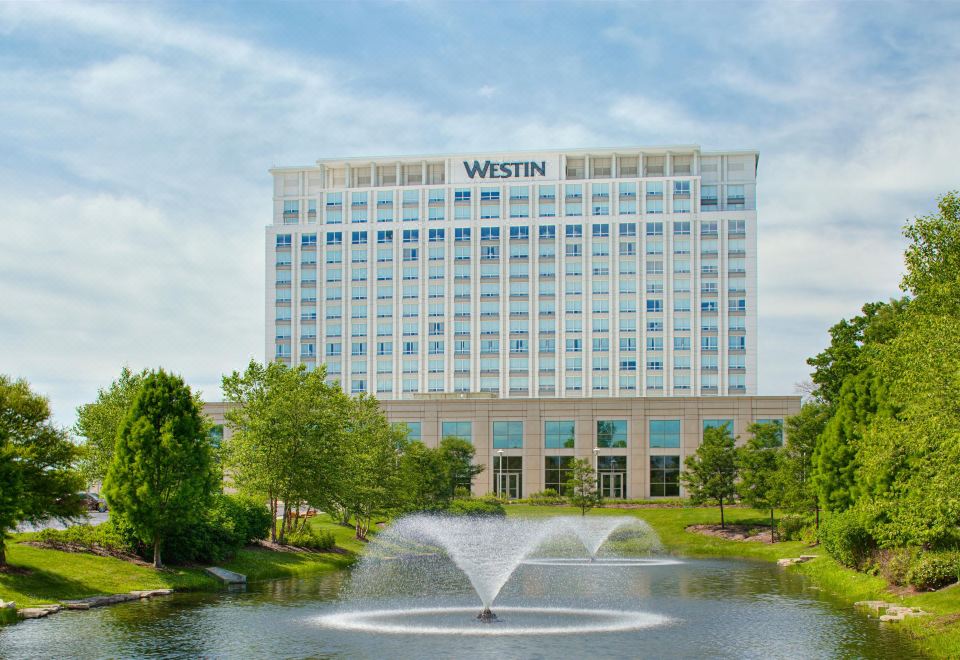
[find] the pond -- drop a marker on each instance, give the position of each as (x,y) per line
(693,608)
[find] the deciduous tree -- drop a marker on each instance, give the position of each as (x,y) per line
(759,463)
(710,474)
(582,486)
(38,479)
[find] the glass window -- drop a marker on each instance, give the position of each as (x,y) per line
(665,433)
(462,430)
(612,433)
(778,422)
(665,476)
(558,435)
(557,472)
(717,423)
(507,435)
(413,431)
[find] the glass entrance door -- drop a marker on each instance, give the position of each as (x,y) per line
(613,485)
(510,485)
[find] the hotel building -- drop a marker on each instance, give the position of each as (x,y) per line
(545,305)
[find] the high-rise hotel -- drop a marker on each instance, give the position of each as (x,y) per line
(607,297)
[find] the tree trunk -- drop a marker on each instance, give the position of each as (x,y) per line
(722,523)
(283,522)
(273,519)
(817,511)
(773,538)
(156,552)
(3,552)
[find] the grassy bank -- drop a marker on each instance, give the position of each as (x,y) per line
(50,576)
(936,636)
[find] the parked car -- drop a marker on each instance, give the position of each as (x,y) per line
(93,502)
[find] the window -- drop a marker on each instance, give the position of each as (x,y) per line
(612,433)
(558,435)
(334,238)
(665,433)
(664,476)
(508,435)
(574,231)
(717,423)
(557,471)
(519,233)
(413,430)
(777,422)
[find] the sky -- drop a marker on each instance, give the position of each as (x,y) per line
(135,141)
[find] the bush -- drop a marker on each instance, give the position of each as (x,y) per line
(108,536)
(477,507)
(895,564)
(933,570)
(311,539)
(791,528)
(231,522)
(462,493)
(547,496)
(845,537)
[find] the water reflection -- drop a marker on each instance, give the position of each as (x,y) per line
(723,609)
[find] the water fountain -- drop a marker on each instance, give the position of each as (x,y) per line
(417,551)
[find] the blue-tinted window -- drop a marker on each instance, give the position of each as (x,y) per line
(612,433)
(558,435)
(462,430)
(507,435)
(665,433)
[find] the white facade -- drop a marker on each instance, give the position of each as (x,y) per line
(576,273)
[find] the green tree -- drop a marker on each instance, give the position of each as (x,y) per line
(796,465)
(98,422)
(759,463)
(162,477)
(369,475)
(838,450)
(425,478)
(457,456)
(710,474)
(933,258)
(287,437)
(848,354)
(37,475)
(582,486)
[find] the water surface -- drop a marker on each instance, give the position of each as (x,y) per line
(716,608)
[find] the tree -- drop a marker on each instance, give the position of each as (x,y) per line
(933,258)
(837,453)
(796,465)
(457,456)
(161,477)
(759,484)
(287,437)
(425,477)
(37,475)
(710,474)
(582,485)
(850,342)
(369,478)
(98,422)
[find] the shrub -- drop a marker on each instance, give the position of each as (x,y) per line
(895,564)
(845,537)
(312,539)
(477,507)
(933,570)
(547,496)
(462,493)
(108,536)
(791,528)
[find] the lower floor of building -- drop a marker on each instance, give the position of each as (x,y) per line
(636,445)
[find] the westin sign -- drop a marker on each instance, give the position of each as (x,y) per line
(493,170)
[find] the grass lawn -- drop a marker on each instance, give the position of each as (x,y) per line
(936,636)
(55,576)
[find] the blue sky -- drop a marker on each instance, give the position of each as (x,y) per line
(135,139)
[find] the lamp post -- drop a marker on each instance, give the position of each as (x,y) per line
(499,488)
(596,465)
